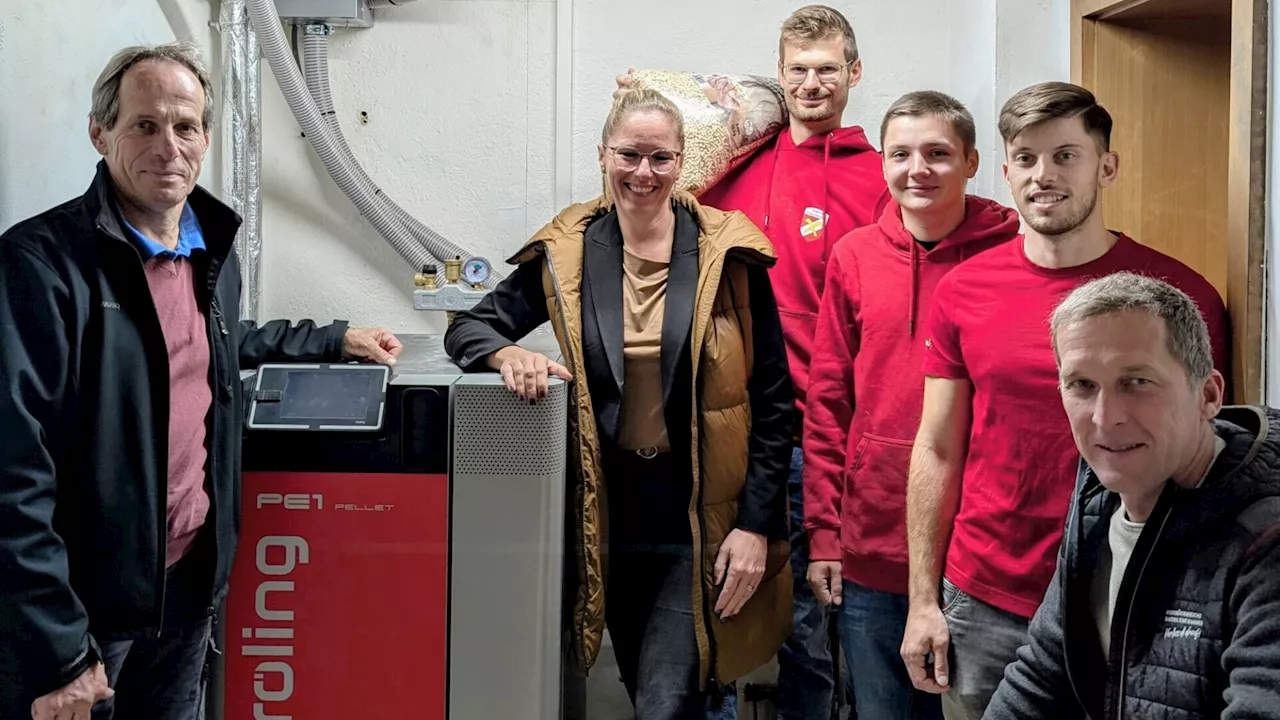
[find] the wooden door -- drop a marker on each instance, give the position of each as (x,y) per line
(1186,84)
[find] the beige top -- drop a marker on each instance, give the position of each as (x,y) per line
(644,294)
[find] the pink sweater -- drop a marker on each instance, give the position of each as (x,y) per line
(173,289)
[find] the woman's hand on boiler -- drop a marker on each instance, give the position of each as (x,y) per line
(525,372)
(742,556)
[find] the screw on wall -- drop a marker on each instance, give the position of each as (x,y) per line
(364,118)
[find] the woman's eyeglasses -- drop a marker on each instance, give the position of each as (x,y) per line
(660,161)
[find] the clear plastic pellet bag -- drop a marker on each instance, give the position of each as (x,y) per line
(726,117)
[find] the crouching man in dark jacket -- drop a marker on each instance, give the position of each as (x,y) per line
(1166,601)
(120,417)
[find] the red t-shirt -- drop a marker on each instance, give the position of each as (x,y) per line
(990,324)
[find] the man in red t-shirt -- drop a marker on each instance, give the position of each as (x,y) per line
(993,464)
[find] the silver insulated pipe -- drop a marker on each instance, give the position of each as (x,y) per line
(242,144)
(346,173)
(315,67)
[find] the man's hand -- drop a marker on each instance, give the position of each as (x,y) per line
(370,344)
(742,555)
(926,634)
(525,372)
(824,578)
(74,701)
(625,83)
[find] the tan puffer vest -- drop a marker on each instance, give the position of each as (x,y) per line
(722,363)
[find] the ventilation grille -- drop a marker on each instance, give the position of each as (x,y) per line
(494,433)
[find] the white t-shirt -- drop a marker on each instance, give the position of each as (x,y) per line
(1122,538)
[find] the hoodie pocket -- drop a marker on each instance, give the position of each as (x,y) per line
(876,498)
(798,330)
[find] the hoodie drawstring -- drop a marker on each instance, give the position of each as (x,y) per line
(826,188)
(915,287)
(826,192)
(768,189)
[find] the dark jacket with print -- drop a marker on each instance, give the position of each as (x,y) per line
(1196,628)
(84,429)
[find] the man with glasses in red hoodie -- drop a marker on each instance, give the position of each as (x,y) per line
(806,189)
(865,386)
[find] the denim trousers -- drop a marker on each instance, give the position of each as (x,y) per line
(649,613)
(805,669)
(984,639)
(164,678)
(805,675)
(872,623)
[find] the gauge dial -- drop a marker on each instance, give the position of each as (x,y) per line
(476,270)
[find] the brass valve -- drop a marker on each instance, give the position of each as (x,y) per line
(453,270)
(427,278)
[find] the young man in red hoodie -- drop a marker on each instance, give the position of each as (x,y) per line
(807,188)
(994,463)
(816,182)
(865,386)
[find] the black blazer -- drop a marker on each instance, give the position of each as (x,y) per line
(518,306)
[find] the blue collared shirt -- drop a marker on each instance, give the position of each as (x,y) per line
(190,238)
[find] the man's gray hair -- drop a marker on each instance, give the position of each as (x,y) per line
(1185,329)
(106,91)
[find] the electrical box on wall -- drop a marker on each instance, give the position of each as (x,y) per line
(338,13)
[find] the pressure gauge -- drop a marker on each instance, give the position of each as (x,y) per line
(476,271)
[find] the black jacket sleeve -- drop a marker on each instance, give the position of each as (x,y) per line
(1036,684)
(278,341)
(1252,656)
(763,507)
(44,629)
(515,308)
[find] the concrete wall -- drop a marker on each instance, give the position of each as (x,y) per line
(461,102)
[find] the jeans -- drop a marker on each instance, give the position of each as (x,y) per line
(871,627)
(805,675)
(649,612)
(984,639)
(164,678)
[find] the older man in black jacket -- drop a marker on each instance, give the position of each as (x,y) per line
(1166,601)
(120,418)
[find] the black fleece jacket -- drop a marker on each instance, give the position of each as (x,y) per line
(1196,628)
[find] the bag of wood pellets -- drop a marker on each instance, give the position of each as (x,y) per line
(726,117)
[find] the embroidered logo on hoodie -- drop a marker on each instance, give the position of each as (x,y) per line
(1183,624)
(812,223)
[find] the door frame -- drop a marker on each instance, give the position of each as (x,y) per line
(1247,171)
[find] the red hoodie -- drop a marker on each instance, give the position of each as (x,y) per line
(866,388)
(783,188)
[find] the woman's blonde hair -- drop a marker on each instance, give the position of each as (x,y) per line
(642,100)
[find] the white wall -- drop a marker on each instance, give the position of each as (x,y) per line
(48,62)
(461,102)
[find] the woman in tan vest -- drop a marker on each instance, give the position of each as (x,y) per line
(681,417)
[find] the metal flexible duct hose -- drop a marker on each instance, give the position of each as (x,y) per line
(375,4)
(370,200)
(315,67)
